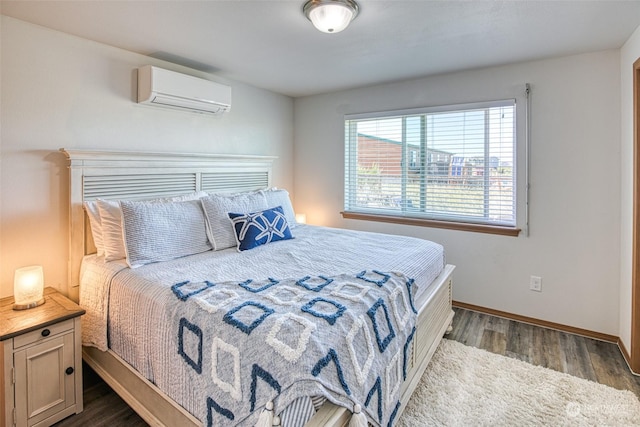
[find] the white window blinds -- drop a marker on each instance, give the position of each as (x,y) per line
(453,163)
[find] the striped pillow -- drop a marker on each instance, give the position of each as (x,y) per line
(111,223)
(217,207)
(280,197)
(155,232)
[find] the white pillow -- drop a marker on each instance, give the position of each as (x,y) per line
(280,197)
(155,232)
(96,225)
(111,222)
(217,207)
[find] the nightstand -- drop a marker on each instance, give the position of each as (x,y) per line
(41,356)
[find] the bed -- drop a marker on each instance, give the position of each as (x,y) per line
(117,345)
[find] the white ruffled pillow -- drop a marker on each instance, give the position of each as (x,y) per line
(111,223)
(155,232)
(217,207)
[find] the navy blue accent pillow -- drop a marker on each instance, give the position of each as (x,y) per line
(259,228)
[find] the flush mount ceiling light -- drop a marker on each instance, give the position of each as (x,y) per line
(330,16)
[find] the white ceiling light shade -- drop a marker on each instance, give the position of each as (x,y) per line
(330,16)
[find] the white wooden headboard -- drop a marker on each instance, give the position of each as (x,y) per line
(138,175)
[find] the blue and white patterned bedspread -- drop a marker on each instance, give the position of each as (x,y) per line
(243,344)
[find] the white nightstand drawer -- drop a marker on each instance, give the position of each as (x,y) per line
(42,333)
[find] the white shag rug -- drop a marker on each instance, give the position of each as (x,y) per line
(466,386)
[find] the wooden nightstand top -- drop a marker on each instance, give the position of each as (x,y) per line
(56,309)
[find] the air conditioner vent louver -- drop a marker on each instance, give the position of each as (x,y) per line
(165,88)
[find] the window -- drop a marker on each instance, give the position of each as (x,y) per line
(452,164)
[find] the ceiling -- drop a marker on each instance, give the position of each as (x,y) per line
(270,44)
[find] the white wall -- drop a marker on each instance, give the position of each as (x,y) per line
(63,91)
(1,121)
(574,242)
(629,53)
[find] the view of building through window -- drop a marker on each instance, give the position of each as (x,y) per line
(455,165)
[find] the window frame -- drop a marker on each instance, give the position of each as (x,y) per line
(350,156)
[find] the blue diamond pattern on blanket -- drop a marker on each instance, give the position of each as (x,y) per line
(249,314)
(329,317)
(311,283)
(186,344)
(393,415)
(322,363)
(259,228)
(371,277)
(258,372)
(409,285)
(184,290)
(243,343)
(377,387)
(212,404)
(406,352)
(382,342)
(254,287)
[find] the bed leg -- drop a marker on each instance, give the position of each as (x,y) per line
(450,327)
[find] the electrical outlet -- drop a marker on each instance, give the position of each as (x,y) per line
(535,283)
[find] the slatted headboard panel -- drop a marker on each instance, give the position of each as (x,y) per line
(137,186)
(138,176)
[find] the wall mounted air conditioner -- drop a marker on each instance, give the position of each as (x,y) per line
(165,88)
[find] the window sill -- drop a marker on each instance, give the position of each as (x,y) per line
(450,225)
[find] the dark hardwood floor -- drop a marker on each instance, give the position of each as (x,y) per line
(579,356)
(582,357)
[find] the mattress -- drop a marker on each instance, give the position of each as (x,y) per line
(123,304)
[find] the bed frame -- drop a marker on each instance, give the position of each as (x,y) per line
(136,175)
